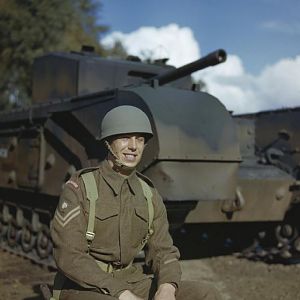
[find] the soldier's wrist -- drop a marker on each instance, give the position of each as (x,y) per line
(124,294)
(170,286)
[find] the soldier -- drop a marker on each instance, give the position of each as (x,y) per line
(107,215)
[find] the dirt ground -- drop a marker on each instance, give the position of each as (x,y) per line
(235,278)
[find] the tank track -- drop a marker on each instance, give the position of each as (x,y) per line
(277,242)
(25,231)
(279,245)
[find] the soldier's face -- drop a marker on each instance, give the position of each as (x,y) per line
(128,148)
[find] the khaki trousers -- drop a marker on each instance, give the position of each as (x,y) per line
(187,290)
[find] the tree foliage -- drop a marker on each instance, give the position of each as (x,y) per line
(117,51)
(30,28)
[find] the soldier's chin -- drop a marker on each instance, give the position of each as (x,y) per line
(131,164)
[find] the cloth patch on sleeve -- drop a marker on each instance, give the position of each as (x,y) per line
(73,183)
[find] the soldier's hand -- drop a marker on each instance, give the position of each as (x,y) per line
(127,295)
(166,291)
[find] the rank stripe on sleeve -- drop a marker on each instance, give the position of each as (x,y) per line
(64,220)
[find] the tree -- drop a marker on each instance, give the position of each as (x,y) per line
(117,50)
(30,28)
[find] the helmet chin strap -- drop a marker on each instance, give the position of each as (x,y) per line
(118,164)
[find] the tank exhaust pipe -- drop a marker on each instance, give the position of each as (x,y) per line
(211,59)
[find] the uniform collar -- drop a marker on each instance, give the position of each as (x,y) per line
(115,180)
(134,183)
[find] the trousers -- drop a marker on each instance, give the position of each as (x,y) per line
(187,290)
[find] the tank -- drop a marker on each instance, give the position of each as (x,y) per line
(216,173)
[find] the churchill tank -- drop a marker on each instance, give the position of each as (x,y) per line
(223,178)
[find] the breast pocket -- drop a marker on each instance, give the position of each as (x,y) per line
(106,228)
(140,224)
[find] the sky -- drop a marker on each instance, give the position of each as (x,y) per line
(261,38)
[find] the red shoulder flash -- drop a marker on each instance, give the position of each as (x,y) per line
(73,183)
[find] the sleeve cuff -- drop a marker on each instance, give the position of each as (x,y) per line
(174,284)
(170,273)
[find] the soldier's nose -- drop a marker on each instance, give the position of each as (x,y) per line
(132,143)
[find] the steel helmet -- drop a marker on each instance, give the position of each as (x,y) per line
(125,119)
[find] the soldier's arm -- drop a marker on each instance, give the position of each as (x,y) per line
(161,254)
(70,248)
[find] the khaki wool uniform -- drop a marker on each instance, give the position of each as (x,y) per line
(121,223)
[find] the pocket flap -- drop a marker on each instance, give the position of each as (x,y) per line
(142,212)
(104,212)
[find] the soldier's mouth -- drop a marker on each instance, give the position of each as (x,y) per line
(130,157)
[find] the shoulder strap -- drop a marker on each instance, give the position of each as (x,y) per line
(148,195)
(92,195)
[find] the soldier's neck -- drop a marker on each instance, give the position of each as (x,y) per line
(119,168)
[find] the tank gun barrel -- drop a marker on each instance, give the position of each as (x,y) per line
(210,59)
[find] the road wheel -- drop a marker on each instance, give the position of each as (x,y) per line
(27,237)
(12,233)
(43,242)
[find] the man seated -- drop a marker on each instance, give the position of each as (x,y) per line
(107,215)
